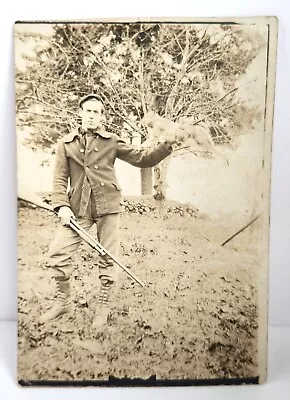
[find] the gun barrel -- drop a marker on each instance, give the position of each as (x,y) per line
(97,246)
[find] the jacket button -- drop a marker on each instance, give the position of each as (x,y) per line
(96,149)
(82,150)
(102,184)
(96,167)
(86,168)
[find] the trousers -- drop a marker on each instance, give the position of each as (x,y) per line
(66,243)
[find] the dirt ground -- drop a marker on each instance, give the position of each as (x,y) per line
(195,319)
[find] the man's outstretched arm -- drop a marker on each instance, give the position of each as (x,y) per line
(141,157)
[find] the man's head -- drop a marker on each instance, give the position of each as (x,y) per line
(91,111)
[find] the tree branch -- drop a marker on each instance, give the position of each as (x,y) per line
(141,83)
(180,74)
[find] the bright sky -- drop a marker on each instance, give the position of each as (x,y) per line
(27,48)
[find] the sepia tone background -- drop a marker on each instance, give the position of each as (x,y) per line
(207,319)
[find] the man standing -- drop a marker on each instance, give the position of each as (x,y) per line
(85,162)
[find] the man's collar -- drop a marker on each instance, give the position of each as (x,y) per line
(77,132)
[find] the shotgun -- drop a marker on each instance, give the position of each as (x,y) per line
(25,194)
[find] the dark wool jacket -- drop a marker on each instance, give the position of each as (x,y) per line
(90,171)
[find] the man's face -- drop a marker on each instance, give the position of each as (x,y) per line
(91,114)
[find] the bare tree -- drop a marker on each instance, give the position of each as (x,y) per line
(184,72)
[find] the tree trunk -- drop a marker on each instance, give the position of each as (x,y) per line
(160,172)
(146,181)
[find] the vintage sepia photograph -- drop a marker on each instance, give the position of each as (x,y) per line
(143,172)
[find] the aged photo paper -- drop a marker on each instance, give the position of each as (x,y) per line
(143,171)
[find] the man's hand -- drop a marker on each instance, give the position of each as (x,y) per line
(65,214)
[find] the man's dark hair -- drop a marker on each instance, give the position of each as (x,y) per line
(90,97)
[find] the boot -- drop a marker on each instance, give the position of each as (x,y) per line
(63,301)
(103,311)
